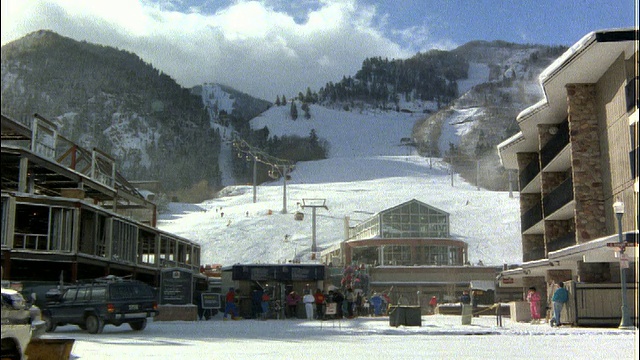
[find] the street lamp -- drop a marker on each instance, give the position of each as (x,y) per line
(625,322)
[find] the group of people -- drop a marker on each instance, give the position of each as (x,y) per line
(559,297)
(335,304)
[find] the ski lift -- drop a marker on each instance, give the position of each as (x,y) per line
(272,174)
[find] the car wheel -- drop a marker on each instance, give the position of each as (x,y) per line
(50,326)
(138,325)
(94,324)
(10,350)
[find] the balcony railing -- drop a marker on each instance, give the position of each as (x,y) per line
(558,142)
(531,216)
(529,173)
(561,243)
(558,197)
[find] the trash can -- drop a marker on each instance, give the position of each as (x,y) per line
(405,315)
(467,314)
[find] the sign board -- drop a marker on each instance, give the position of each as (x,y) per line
(176,286)
(332,309)
(278,272)
(623,244)
(210,301)
(624,261)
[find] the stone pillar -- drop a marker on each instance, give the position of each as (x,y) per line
(586,162)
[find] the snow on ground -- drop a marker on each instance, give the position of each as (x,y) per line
(457,125)
(439,337)
(368,171)
(478,74)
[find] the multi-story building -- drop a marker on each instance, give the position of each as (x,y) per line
(68,214)
(408,248)
(576,154)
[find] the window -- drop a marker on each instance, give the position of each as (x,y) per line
(61,229)
(146,247)
(98,293)
(5,218)
(397,255)
(70,295)
(83,294)
(31,227)
(124,241)
(414,221)
(92,233)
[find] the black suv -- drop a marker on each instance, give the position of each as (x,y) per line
(94,304)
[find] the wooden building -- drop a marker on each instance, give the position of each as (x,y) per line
(68,214)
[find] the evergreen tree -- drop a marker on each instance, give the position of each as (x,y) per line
(294,110)
(278,100)
(284,100)
(308,98)
(305,108)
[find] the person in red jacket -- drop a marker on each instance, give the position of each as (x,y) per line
(230,305)
(433,303)
(319,300)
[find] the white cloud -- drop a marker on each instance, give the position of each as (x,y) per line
(250,45)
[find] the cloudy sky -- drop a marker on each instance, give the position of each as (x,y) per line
(271,47)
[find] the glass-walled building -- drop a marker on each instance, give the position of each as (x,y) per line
(412,233)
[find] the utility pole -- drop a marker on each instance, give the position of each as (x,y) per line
(255,178)
(284,172)
(314,204)
(281,166)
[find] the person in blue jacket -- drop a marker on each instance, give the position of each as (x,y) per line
(560,297)
(376,301)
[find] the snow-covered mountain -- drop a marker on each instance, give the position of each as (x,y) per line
(368,170)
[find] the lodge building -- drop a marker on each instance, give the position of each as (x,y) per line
(577,155)
(408,248)
(68,214)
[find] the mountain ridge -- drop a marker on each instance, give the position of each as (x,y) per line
(112,99)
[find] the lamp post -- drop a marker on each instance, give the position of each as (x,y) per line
(625,322)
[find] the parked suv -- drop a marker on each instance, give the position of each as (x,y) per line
(94,304)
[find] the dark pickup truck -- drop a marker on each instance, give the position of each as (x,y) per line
(94,304)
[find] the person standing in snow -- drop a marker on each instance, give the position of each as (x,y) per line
(560,297)
(376,301)
(256,306)
(230,305)
(292,301)
(308,301)
(533,297)
(319,299)
(338,298)
(265,305)
(351,299)
(465,298)
(433,303)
